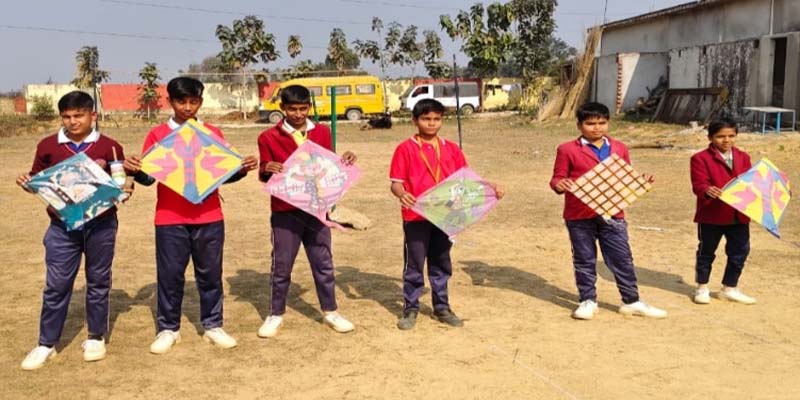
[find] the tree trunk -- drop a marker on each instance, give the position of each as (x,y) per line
(242,94)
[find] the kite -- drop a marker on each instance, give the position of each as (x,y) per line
(762,193)
(192,161)
(77,189)
(610,186)
(457,202)
(313,180)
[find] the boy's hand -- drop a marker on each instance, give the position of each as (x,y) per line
(499,190)
(249,163)
(407,200)
(349,158)
(22,181)
(132,164)
(101,162)
(565,185)
(649,178)
(714,192)
(273,167)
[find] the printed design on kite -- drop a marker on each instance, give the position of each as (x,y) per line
(762,193)
(311,178)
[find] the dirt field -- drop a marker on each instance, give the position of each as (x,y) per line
(512,283)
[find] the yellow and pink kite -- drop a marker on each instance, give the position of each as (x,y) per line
(762,193)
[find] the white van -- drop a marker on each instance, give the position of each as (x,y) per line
(445,92)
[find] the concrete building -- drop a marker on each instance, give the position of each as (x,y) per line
(752,47)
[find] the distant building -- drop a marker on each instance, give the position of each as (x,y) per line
(750,46)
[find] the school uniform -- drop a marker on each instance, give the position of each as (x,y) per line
(586,227)
(185,230)
(290,226)
(716,219)
(420,166)
(63,249)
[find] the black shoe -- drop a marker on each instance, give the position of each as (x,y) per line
(408,320)
(448,317)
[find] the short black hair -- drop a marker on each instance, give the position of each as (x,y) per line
(425,106)
(592,110)
(75,100)
(720,124)
(295,94)
(183,86)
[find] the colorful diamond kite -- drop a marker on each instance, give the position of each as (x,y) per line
(762,193)
(457,202)
(78,189)
(192,161)
(313,180)
(610,186)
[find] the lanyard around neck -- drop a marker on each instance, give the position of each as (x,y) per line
(438,152)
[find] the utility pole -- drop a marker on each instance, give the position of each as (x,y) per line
(605,13)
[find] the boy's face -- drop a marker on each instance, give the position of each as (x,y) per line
(78,122)
(428,124)
(186,108)
(593,129)
(296,114)
(724,139)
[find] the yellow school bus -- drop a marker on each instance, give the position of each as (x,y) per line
(356,96)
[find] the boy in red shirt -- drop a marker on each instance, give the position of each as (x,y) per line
(63,249)
(185,230)
(712,169)
(291,226)
(419,164)
(585,227)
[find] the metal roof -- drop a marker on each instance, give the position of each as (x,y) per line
(674,10)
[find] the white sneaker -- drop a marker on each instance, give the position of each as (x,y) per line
(586,310)
(270,327)
(702,296)
(37,357)
(642,309)
(164,341)
(218,337)
(735,295)
(94,350)
(338,322)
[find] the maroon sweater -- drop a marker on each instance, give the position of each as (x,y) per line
(49,153)
(708,168)
(277,145)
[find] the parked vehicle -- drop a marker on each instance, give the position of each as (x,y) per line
(356,96)
(445,92)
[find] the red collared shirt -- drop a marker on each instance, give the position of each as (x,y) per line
(409,167)
(276,144)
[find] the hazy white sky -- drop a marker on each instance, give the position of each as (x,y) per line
(39,40)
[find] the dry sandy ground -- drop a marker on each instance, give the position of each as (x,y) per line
(512,283)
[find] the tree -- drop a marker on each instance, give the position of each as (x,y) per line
(340,55)
(210,70)
(243,45)
(534,41)
(89,74)
(486,35)
(148,93)
(432,54)
(294,46)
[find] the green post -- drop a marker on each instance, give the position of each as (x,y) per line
(333,116)
(314,103)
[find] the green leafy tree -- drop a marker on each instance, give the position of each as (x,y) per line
(534,38)
(244,44)
(485,33)
(148,88)
(89,74)
(432,54)
(294,46)
(340,55)
(42,108)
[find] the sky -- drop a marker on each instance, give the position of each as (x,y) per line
(40,37)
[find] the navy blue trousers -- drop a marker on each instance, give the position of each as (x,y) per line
(175,244)
(737,248)
(63,251)
(422,241)
(289,230)
(613,239)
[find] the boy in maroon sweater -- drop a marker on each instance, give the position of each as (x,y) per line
(63,249)
(185,230)
(712,169)
(291,226)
